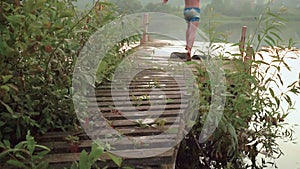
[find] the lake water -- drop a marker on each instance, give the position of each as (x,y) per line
(289,30)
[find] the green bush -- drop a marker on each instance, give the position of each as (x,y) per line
(26,154)
(254,114)
(39,44)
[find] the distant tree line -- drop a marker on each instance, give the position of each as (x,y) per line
(134,6)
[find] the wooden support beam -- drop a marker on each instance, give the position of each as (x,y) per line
(145,36)
(242,41)
(248,53)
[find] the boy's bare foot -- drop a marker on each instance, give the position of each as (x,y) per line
(188,55)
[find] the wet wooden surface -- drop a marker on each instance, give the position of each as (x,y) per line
(167,107)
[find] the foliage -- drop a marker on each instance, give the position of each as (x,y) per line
(26,154)
(30,155)
(88,160)
(113,58)
(254,116)
(39,43)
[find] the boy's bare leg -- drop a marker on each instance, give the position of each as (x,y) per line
(190,37)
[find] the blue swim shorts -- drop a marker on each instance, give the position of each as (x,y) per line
(191,14)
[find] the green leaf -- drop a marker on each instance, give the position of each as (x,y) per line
(43,147)
(291,43)
(271,39)
(288,99)
(2,123)
(16,19)
(116,160)
(258,37)
(261,62)
(83,161)
(268,42)
(5,153)
(276,35)
(295,91)
(272,14)
(30,143)
(277,102)
(5,87)
(20,145)
(40,3)
(5,49)
(232,132)
(96,152)
(43,164)
(14,87)
(7,143)
(6,78)
(272,92)
(287,66)
(291,85)
(280,79)
(8,108)
(42,153)
(66,13)
(17,164)
(222,125)
(74,165)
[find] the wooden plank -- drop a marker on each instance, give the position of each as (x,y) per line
(156,92)
(146,79)
(146,144)
(171,105)
(118,123)
(123,98)
(170,83)
(70,157)
(140,108)
(141,114)
(60,136)
(65,160)
(139,104)
(134,131)
(145,86)
(148,89)
(102,103)
(138,131)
